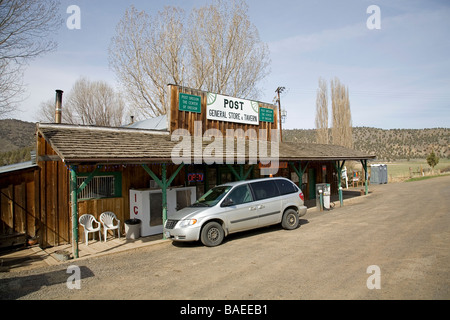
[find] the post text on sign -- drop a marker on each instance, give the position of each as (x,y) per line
(230,109)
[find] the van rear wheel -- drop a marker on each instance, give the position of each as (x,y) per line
(212,234)
(290,219)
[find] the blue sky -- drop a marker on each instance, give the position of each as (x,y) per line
(397,76)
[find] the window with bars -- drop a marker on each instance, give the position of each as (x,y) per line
(103,185)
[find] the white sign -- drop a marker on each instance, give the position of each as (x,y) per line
(224,108)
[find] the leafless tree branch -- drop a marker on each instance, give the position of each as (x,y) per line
(26,28)
(214,48)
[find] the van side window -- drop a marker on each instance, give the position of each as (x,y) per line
(264,190)
(286,187)
(240,194)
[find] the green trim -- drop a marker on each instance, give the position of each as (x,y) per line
(152,175)
(89,176)
(175,174)
(339,168)
(299,172)
(97,173)
(241,176)
(236,175)
(164,183)
(74,200)
(366,175)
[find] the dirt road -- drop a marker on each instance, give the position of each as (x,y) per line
(402,229)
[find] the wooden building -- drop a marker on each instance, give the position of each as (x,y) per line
(87,169)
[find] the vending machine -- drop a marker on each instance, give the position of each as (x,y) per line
(146,205)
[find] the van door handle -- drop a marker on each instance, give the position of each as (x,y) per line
(261,206)
(252,208)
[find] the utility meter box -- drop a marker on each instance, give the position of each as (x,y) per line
(325,190)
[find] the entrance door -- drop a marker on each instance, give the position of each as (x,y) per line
(312,183)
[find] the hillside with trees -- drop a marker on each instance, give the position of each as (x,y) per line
(392,144)
(17,140)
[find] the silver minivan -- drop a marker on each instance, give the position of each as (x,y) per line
(237,206)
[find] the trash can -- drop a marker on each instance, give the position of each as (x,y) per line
(133,228)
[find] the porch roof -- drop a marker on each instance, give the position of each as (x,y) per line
(88,144)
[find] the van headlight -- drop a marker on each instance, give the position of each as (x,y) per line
(187,223)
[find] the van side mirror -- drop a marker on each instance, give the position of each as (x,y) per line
(227,202)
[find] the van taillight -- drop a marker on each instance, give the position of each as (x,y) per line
(301,196)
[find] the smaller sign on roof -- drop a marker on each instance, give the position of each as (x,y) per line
(190,103)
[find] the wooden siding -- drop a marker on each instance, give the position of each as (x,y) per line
(36,202)
(55,206)
(19,203)
(54,198)
(186,120)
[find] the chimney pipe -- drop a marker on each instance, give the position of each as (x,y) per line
(58,106)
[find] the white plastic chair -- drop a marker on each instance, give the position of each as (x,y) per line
(107,219)
(88,221)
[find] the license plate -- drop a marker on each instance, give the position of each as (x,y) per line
(167,234)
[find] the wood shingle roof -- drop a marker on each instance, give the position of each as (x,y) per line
(89,144)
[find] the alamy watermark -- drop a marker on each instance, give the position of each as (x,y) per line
(374,20)
(74,280)
(73,22)
(374,280)
(229,149)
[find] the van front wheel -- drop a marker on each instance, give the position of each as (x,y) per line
(290,219)
(212,234)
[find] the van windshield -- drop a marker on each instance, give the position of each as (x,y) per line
(212,197)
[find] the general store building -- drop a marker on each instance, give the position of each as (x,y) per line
(172,160)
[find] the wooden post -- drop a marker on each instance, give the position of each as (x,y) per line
(74,191)
(366,175)
(163,183)
(241,175)
(74,200)
(164,194)
(299,171)
(339,168)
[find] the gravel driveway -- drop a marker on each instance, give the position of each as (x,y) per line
(402,229)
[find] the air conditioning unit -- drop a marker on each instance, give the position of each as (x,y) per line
(146,205)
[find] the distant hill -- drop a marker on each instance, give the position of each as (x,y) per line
(17,140)
(392,144)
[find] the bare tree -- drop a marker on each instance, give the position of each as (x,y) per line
(88,103)
(226,53)
(341,130)
(219,51)
(46,112)
(322,113)
(146,55)
(26,27)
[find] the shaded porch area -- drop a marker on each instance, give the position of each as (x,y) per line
(35,257)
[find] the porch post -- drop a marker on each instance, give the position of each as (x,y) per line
(299,171)
(74,200)
(164,194)
(341,197)
(241,175)
(366,175)
(74,191)
(339,167)
(164,183)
